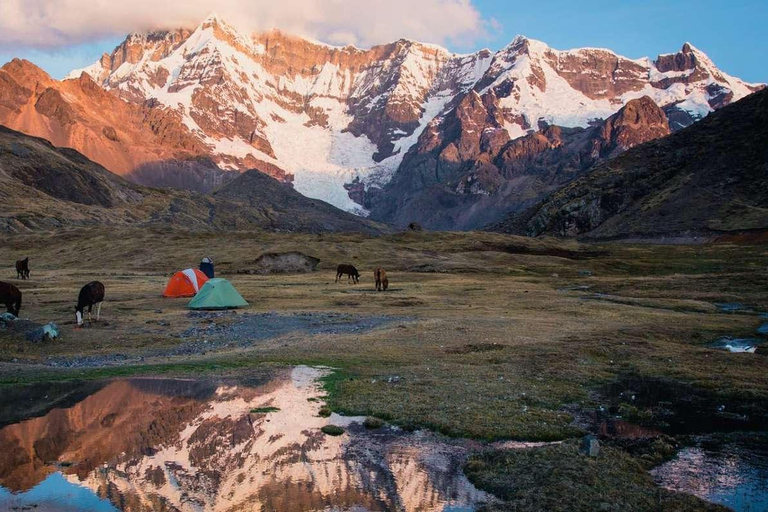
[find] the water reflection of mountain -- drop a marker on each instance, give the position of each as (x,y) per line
(146,444)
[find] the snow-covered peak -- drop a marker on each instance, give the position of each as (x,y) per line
(213,17)
(331,115)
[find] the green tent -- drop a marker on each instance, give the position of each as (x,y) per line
(217,294)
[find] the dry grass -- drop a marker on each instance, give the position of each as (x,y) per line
(433,366)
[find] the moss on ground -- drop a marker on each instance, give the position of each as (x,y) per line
(264,410)
(373,423)
(558,478)
(332,430)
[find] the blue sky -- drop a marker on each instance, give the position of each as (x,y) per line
(732,33)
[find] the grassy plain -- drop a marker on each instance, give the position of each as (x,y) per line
(491,336)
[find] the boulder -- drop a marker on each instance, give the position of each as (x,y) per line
(47,332)
(590,446)
(284,263)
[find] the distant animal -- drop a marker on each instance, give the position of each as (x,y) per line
(11,297)
(22,269)
(415,226)
(348,270)
(382,282)
(90,295)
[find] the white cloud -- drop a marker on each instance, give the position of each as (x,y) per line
(54,23)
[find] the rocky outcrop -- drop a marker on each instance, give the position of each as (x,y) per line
(703,181)
(468,165)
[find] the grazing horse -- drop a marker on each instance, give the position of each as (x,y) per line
(382,282)
(22,269)
(350,271)
(90,295)
(11,297)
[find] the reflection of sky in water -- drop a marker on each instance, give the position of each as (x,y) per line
(738,344)
(55,493)
(733,476)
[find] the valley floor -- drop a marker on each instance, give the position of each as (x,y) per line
(480,335)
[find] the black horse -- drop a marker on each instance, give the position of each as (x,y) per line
(22,269)
(11,297)
(348,270)
(90,295)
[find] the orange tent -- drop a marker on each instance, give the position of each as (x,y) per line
(185,283)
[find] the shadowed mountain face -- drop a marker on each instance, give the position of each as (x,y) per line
(465,172)
(152,444)
(710,178)
(44,187)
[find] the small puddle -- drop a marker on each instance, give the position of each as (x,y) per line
(731,471)
(738,345)
(170,444)
(733,307)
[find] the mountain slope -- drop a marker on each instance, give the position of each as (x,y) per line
(465,172)
(709,178)
(341,120)
(44,187)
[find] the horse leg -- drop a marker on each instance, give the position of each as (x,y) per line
(90,308)
(98,311)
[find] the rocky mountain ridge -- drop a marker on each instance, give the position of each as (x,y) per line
(705,181)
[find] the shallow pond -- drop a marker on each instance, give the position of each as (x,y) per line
(731,470)
(167,444)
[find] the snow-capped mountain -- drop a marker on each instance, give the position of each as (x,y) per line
(341,120)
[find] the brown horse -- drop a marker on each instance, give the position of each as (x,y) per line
(348,270)
(11,297)
(22,269)
(90,295)
(382,282)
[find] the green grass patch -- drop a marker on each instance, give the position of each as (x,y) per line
(557,478)
(264,410)
(372,423)
(332,430)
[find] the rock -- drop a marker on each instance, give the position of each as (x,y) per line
(285,263)
(6,319)
(415,226)
(47,332)
(590,446)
